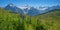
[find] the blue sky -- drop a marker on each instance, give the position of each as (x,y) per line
(35,3)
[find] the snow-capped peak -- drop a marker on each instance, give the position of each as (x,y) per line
(11,5)
(25,7)
(42,8)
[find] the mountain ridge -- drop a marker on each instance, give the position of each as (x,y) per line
(30,10)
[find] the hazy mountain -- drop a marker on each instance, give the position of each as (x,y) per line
(33,11)
(25,8)
(53,7)
(47,9)
(14,8)
(30,10)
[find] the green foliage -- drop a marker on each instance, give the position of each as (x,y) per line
(14,21)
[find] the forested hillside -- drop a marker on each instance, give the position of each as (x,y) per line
(14,21)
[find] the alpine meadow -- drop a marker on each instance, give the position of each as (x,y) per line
(29,14)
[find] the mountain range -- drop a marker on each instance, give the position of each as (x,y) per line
(30,10)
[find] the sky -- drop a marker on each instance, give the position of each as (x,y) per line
(35,3)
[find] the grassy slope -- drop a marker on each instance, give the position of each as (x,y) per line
(13,21)
(51,19)
(8,20)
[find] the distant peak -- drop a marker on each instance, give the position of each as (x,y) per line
(10,4)
(25,7)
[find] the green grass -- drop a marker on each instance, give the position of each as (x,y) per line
(15,21)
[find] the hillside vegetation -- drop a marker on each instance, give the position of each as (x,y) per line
(14,21)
